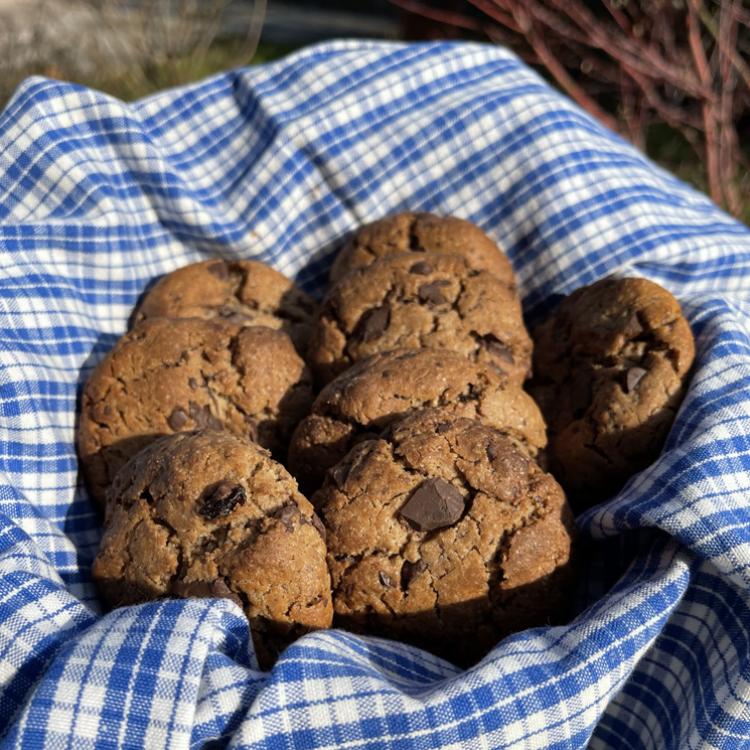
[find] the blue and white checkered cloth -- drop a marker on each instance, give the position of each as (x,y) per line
(279,162)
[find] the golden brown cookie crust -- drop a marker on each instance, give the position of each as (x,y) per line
(243,292)
(610,365)
(209,514)
(454,589)
(422,233)
(174,375)
(383,388)
(411,301)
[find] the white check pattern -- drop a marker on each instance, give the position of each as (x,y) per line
(279,162)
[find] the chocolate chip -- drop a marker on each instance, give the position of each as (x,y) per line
(219,270)
(472,394)
(220,499)
(177,419)
(633,376)
(423,268)
(442,427)
(288,514)
(491,452)
(499,370)
(318,524)
(497,349)
(633,327)
(410,570)
(186,589)
(203,418)
(228,315)
(431,294)
(339,473)
(372,324)
(385,579)
(220,589)
(193,383)
(433,505)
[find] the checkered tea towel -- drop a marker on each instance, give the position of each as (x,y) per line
(280,162)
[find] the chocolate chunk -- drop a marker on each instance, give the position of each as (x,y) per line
(219,270)
(633,327)
(203,418)
(220,589)
(339,473)
(497,349)
(423,268)
(431,293)
(318,524)
(193,383)
(433,505)
(472,393)
(228,315)
(220,499)
(409,571)
(385,579)
(633,376)
(288,514)
(442,427)
(372,324)
(199,589)
(177,419)
(491,452)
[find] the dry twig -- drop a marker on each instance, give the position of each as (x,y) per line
(637,63)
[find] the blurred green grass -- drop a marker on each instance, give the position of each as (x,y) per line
(129,85)
(133,83)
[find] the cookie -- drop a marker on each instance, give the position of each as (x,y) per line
(383,388)
(443,534)
(210,514)
(176,375)
(244,292)
(422,233)
(611,364)
(411,301)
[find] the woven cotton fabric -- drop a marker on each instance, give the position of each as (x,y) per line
(279,163)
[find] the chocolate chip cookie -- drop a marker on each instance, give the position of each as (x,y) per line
(244,292)
(174,375)
(378,390)
(210,514)
(611,364)
(442,533)
(422,233)
(406,300)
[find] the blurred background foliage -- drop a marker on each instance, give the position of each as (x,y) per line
(673,76)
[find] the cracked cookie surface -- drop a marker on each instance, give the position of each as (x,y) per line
(442,533)
(244,292)
(209,514)
(383,388)
(406,300)
(422,233)
(170,376)
(610,367)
